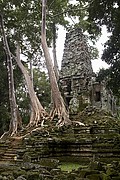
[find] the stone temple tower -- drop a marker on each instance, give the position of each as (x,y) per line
(77,83)
(76,68)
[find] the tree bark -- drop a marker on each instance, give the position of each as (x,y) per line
(31,70)
(58,102)
(54,53)
(15,117)
(37,111)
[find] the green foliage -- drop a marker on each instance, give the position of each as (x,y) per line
(4,105)
(112,78)
(57,11)
(42,87)
(23,102)
(4,94)
(22,21)
(104,12)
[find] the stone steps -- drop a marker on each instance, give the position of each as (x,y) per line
(3,149)
(9,155)
(91,141)
(8,152)
(83,142)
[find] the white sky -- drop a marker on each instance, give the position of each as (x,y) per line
(98,63)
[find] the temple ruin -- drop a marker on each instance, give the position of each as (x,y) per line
(77,79)
(42,152)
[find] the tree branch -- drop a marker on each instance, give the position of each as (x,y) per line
(43,28)
(51,4)
(6,46)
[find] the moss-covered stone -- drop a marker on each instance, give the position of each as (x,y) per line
(72,176)
(116,178)
(49,162)
(105,176)
(18,173)
(96,165)
(44,150)
(61,177)
(21,178)
(26,157)
(110,171)
(83,173)
(94,177)
(33,175)
(27,166)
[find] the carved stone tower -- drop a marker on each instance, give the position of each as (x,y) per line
(76,69)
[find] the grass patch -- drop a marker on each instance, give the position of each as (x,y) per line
(69,166)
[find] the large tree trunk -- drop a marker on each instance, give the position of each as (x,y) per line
(58,102)
(56,69)
(15,117)
(37,111)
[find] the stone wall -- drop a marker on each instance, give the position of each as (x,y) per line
(40,154)
(102,97)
